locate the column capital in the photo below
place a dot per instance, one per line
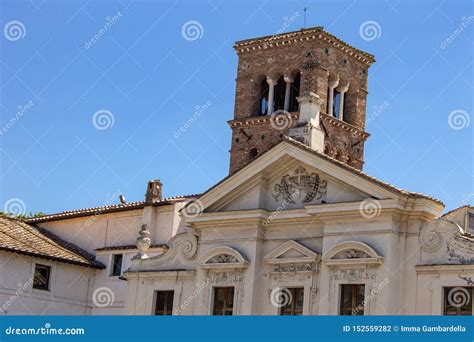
(271, 81)
(333, 82)
(342, 88)
(288, 79)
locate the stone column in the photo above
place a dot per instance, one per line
(289, 81)
(271, 94)
(308, 130)
(342, 90)
(332, 84)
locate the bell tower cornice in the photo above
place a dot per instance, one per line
(307, 34)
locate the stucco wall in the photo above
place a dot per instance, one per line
(69, 287)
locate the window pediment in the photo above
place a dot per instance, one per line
(291, 252)
(352, 252)
(223, 257)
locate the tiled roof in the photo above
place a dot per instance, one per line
(385, 185)
(106, 209)
(400, 192)
(456, 209)
(303, 34)
(19, 237)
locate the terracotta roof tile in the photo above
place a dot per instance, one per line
(358, 172)
(106, 209)
(19, 237)
(386, 185)
(307, 33)
(458, 208)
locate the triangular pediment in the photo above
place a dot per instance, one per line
(290, 176)
(291, 252)
(291, 186)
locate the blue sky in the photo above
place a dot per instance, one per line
(144, 74)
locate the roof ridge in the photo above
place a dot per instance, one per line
(360, 172)
(330, 159)
(66, 245)
(456, 209)
(113, 207)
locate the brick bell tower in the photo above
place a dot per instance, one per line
(306, 84)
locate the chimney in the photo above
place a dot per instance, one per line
(154, 191)
(308, 130)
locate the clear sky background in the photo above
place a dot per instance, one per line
(151, 78)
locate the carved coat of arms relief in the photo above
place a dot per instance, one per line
(300, 186)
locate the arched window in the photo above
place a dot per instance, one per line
(337, 98)
(253, 153)
(336, 103)
(263, 98)
(280, 89)
(295, 92)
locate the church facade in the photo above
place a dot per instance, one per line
(297, 228)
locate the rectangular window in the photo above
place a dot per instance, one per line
(293, 299)
(116, 265)
(352, 300)
(458, 301)
(223, 301)
(41, 277)
(164, 303)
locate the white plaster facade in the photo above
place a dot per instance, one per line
(291, 218)
(245, 234)
(69, 290)
(73, 288)
(355, 231)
